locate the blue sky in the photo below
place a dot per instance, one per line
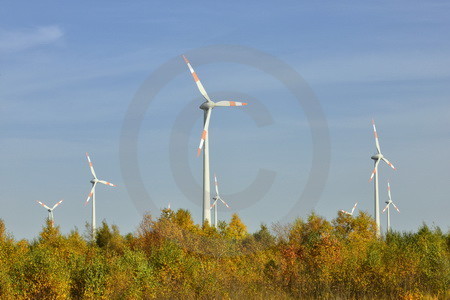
(69, 71)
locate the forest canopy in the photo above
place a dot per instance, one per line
(172, 257)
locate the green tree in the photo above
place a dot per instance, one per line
(264, 236)
(110, 239)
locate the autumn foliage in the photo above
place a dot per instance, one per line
(172, 257)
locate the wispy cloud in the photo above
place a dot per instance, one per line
(374, 67)
(19, 40)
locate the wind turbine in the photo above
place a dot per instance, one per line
(50, 211)
(207, 107)
(377, 158)
(350, 213)
(94, 182)
(217, 198)
(389, 202)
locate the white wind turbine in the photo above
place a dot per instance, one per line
(94, 182)
(389, 202)
(207, 107)
(377, 158)
(50, 211)
(217, 198)
(350, 213)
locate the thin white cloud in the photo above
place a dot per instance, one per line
(19, 40)
(374, 67)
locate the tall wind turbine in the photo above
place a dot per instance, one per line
(389, 202)
(350, 213)
(377, 158)
(217, 198)
(207, 107)
(50, 211)
(94, 182)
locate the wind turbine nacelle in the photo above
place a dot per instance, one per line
(377, 156)
(207, 105)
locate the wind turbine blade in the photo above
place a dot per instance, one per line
(204, 133)
(43, 204)
(395, 207)
(217, 185)
(215, 202)
(354, 206)
(386, 161)
(377, 143)
(90, 165)
(229, 103)
(386, 206)
(90, 194)
(224, 203)
(197, 80)
(346, 212)
(106, 183)
(374, 170)
(54, 206)
(389, 192)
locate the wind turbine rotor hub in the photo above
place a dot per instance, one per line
(94, 180)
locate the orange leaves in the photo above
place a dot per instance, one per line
(172, 257)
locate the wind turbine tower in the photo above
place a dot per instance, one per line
(94, 182)
(377, 158)
(217, 198)
(50, 211)
(389, 202)
(207, 107)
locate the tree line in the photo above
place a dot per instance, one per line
(169, 256)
